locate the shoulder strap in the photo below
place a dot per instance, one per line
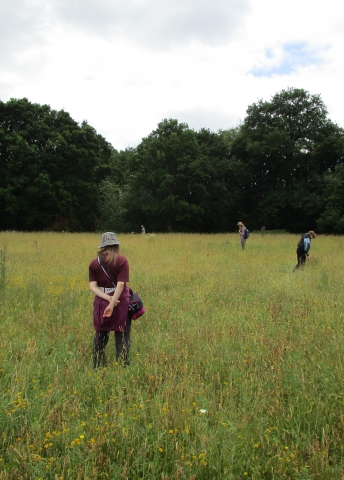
(105, 271)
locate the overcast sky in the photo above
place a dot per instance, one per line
(124, 65)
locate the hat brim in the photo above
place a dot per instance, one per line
(108, 244)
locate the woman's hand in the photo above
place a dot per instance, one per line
(109, 309)
(114, 300)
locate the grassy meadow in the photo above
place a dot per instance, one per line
(236, 367)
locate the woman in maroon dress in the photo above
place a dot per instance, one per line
(108, 274)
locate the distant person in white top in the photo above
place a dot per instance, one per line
(143, 230)
(242, 233)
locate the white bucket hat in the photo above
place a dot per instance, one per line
(107, 239)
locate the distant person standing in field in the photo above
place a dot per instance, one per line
(243, 233)
(143, 230)
(303, 248)
(108, 275)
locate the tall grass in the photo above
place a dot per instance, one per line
(236, 368)
(2, 267)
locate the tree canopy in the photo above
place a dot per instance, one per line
(287, 146)
(281, 168)
(50, 168)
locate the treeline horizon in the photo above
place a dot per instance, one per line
(282, 168)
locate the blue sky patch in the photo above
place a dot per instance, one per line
(294, 56)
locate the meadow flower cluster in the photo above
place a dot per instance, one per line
(236, 367)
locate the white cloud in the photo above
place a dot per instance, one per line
(124, 66)
(198, 118)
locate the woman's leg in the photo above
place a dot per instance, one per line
(301, 258)
(243, 242)
(99, 343)
(298, 261)
(123, 343)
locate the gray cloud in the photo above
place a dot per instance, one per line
(158, 24)
(21, 27)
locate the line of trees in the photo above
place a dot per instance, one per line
(282, 168)
(50, 168)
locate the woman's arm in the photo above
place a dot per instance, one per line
(114, 299)
(96, 290)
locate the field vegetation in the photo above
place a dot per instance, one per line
(236, 367)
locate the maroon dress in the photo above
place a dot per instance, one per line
(119, 273)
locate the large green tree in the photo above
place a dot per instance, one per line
(176, 179)
(165, 179)
(221, 194)
(332, 218)
(50, 167)
(286, 146)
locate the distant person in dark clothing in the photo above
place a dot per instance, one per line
(303, 248)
